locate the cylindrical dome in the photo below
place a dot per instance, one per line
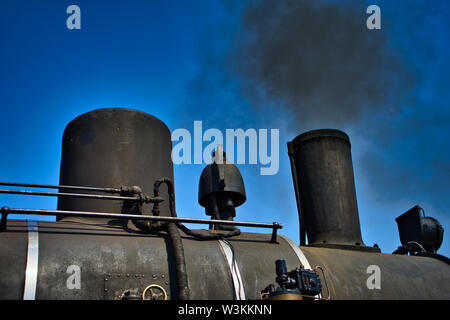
(114, 147)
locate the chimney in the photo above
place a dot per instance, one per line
(324, 184)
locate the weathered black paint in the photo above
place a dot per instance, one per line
(112, 147)
(327, 188)
(402, 277)
(104, 252)
(117, 260)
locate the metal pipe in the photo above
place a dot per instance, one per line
(186, 230)
(141, 217)
(180, 261)
(77, 195)
(49, 186)
(145, 199)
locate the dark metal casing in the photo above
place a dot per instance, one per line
(221, 190)
(114, 147)
(426, 231)
(323, 165)
(114, 260)
(233, 183)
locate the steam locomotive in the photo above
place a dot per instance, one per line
(118, 236)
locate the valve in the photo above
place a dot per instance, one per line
(294, 285)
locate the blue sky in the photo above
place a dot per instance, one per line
(174, 59)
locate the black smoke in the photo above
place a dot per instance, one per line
(318, 61)
(314, 64)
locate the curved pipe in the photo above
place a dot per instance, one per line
(186, 230)
(175, 238)
(174, 234)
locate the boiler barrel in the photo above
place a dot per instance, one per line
(76, 261)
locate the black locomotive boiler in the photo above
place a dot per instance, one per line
(118, 235)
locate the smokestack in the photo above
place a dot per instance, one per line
(114, 147)
(325, 188)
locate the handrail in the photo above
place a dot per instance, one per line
(6, 210)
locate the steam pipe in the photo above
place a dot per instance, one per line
(180, 261)
(49, 186)
(81, 195)
(175, 238)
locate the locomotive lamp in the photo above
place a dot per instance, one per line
(221, 188)
(419, 233)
